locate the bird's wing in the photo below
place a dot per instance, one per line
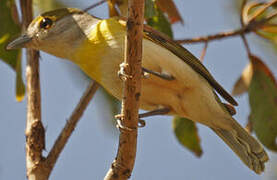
(163, 40)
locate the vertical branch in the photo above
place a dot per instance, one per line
(124, 162)
(35, 134)
(243, 25)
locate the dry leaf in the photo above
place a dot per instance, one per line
(243, 82)
(169, 7)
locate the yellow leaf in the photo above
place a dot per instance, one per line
(9, 27)
(243, 82)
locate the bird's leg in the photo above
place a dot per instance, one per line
(155, 112)
(145, 72)
(160, 75)
(121, 73)
(141, 122)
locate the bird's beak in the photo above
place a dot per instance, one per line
(19, 42)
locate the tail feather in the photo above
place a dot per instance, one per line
(249, 150)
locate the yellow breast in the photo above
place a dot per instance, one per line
(100, 50)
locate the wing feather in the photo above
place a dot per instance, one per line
(163, 40)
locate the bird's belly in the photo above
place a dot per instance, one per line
(188, 95)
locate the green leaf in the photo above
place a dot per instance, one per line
(8, 29)
(263, 103)
(160, 23)
(149, 9)
(186, 133)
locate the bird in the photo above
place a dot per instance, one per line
(178, 82)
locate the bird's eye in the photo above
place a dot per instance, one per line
(46, 23)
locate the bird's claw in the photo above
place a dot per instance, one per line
(120, 126)
(122, 71)
(145, 75)
(141, 123)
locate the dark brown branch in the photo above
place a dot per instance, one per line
(123, 164)
(69, 127)
(246, 44)
(35, 134)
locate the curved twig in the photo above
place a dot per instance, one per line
(69, 127)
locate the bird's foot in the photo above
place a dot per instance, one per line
(122, 71)
(161, 111)
(119, 125)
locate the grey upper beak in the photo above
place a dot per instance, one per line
(19, 42)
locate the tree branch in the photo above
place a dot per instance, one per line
(252, 26)
(124, 162)
(213, 37)
(39, 168)
(69, 127)
(35, 134)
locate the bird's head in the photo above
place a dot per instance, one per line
(56, 32)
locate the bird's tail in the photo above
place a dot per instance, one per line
(249, 150)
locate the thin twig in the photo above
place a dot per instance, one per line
(250, 27)
(243, 26)
(204, 51)
(246, 44)
(214, 36)
(35, 134)
(70, 126)
(94, 5)
(123, 164)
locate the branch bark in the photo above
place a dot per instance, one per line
(35, 134)
(214, 36)
(38, 167)
(69, 127)
(124, 162)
